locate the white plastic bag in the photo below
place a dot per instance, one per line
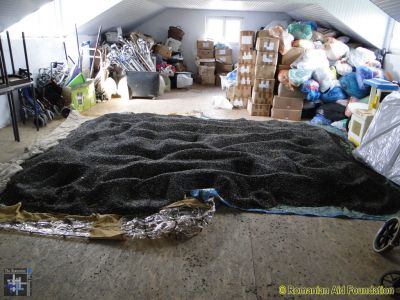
(360, 57)
(380, 147)
(184, 81)
(312, 59)
(175, 45)
(324, 77)
(222, 102)
(335, 49)
(343, 68)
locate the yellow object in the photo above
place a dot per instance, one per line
(359, 123)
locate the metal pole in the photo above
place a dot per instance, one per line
(79, 49)
(65, 52)
(5, 75)
(95, 51)
(13, 115)
(29, 77)
(10, 50)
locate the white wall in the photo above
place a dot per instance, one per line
(41, 51)
(193, 23)
(392, 64)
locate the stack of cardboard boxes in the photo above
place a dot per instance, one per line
(288, 104)
(264, 83)
(223, 57)
(245, 73)
(205, 62)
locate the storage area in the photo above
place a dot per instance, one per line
(218, 149)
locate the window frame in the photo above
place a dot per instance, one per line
(224, 18)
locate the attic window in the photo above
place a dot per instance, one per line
(395, 42)
(223, 29)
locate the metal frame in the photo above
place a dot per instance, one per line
(7, 87)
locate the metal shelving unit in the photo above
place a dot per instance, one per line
(11, 82)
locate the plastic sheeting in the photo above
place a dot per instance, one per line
(380, 147)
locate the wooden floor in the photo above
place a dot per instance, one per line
(238, 256)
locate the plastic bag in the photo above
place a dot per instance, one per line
(332, 111)
(335, 49)
(312, 59)
(311, 89)
(300, 30)
(320, 120)
(283, 78)
(365, 72)
(324, 77)
(319, 45)
(343, 39)
(360, 57)
(341, 125)
(333, 94)
(222, 102)
(350, 86)
(380, 147)
(299, 76)
(231, 76)
(305, 44)
(317, 36)
(343, 68)
(285, 38)
(327, 32)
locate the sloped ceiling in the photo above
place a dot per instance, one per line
(11, 11)
(359, 19)
(126, 13)
(391, 7)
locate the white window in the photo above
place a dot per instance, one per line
(395, 42)
(223, 29)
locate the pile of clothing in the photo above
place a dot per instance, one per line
(328, 69)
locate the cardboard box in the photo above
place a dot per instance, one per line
(163, 50)
(283, 67)
(263, 91)
(283, 91)
(205, 45)
(262, 110)
(242, 91)
(224, 59)
(246, 40)
(245, 71)
(208, 79)
(267, 58)
(201, 53)
(240, 102)
(247, 57)
(286, 114)
(223, 52)
(266, 44)
(205, 70)
(292, 55)
(223, 68)
(263, 33)
(209, 62)
(288, 103)
(265, 72)
(245, 80)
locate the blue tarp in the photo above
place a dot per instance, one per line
(323, 211)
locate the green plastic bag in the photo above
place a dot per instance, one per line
(300, 31)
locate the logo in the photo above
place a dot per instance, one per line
(17, 282)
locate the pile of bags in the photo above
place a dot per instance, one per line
(328, 71)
